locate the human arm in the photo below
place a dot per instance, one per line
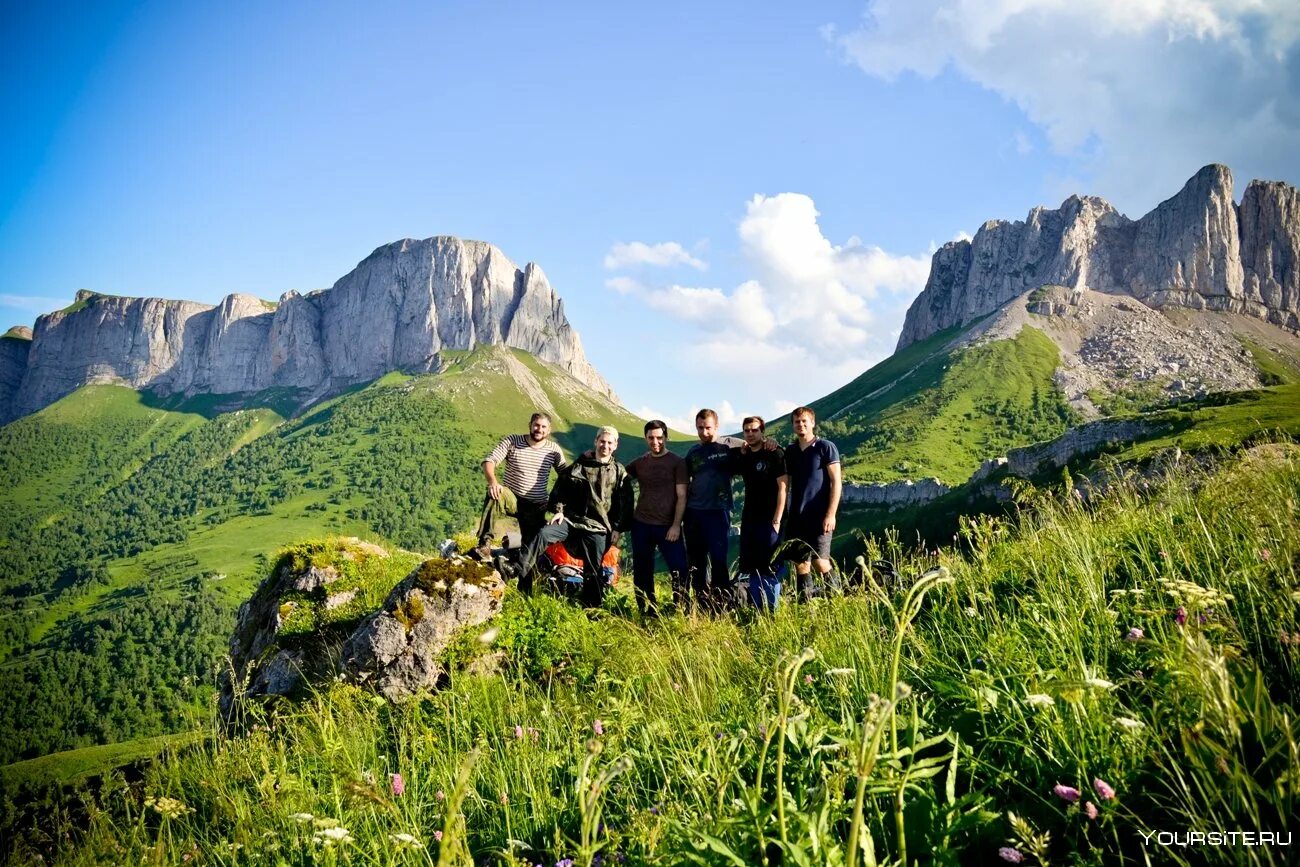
(679, 508)
(782, 486)
(496, 456)
(837, 487)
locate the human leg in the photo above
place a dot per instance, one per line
(697, 557)
(643, 564)
(719, 532)
(674, 554)
(533, 550)
(531, 517)
(493, 510)
(591, 548)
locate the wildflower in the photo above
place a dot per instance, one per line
(842, 672)
(1069, 794)
(1180, 616)
(169, 807)
(301, 818)
(1104, 789)
(489, 636)
(368, 777)
(808, 679)
(505, 799)
(1099, 683)
(677, 687)
(519, 733)
(437, 835)
(406, 841)
(440, 795)
(654, 811)
(902, 690)
(330, 836)
(1010, 855)
(564, 862)
(1265, 554)
(1164, 555)
(1039, 699)
(1134, 634)
(1090, 809)
(971, 612)
(396, 783)
(597, 727)
(1129, 724)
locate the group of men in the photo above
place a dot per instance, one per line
(681, 507)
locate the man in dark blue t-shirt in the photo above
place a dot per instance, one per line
(815, 487)
(707, 523)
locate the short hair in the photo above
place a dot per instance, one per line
(750, 419)
(803, 410)
(540, 415)
(706, 413)
(656, 423)
(607, 429)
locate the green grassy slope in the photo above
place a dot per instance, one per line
(119, 503)
(928, 411)
(1139, 649)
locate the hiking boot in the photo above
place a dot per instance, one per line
(482, 553)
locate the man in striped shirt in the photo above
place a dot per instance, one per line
(529, 460)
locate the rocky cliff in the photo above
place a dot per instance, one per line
(397, 310)
(1198, 249)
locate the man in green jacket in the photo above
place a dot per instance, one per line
(592, 501)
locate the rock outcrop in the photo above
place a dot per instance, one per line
(396, 650)
(15, 344)
(323, 596)
(894, 495)
(399, 309)
(1197, 250)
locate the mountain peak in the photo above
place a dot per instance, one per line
(399, 309)
(1195, 249)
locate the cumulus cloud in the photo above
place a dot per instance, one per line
(1142, 94)
(665, 255)
(728, 417)
(811, 316)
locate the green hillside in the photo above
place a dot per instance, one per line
(1068, 681)
(934, 411)
(124, 506)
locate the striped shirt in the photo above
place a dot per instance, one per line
(529, 467)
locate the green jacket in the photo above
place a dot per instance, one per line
(596, 497)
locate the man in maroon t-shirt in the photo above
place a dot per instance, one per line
(657, 521)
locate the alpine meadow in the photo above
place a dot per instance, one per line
(1006, 493)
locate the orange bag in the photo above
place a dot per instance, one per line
(560, 556)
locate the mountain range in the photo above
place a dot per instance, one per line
(162, 451)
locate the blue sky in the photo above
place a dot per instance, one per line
(737, 201)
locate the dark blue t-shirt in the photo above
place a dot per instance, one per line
(709, 466)
(810, 488)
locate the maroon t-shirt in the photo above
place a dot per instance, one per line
(657, 478)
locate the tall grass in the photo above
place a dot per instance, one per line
(1143, 644)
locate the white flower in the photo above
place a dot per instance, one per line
(1039, 699)
(406, 840)
(489, 636)
(842, 672)
(1099, 683)
(302, 817)
(1129, 724)
(334, 835)
(971, 612)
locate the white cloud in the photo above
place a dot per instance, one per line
(665, 255)
(1143, 94)
(728, 418)
(812, 316)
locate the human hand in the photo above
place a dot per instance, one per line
(828, 526)
(674, 533)
(494, 490)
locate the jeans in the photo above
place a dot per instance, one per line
(646, 538)
(757, 543)
(706, 552)
(587, 546)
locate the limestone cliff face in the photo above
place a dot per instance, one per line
(397, 310)
(1197, 249)
(15, 344)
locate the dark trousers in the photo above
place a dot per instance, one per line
(706, 551)
(531, 516)
(587, 546)
(646, 538)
